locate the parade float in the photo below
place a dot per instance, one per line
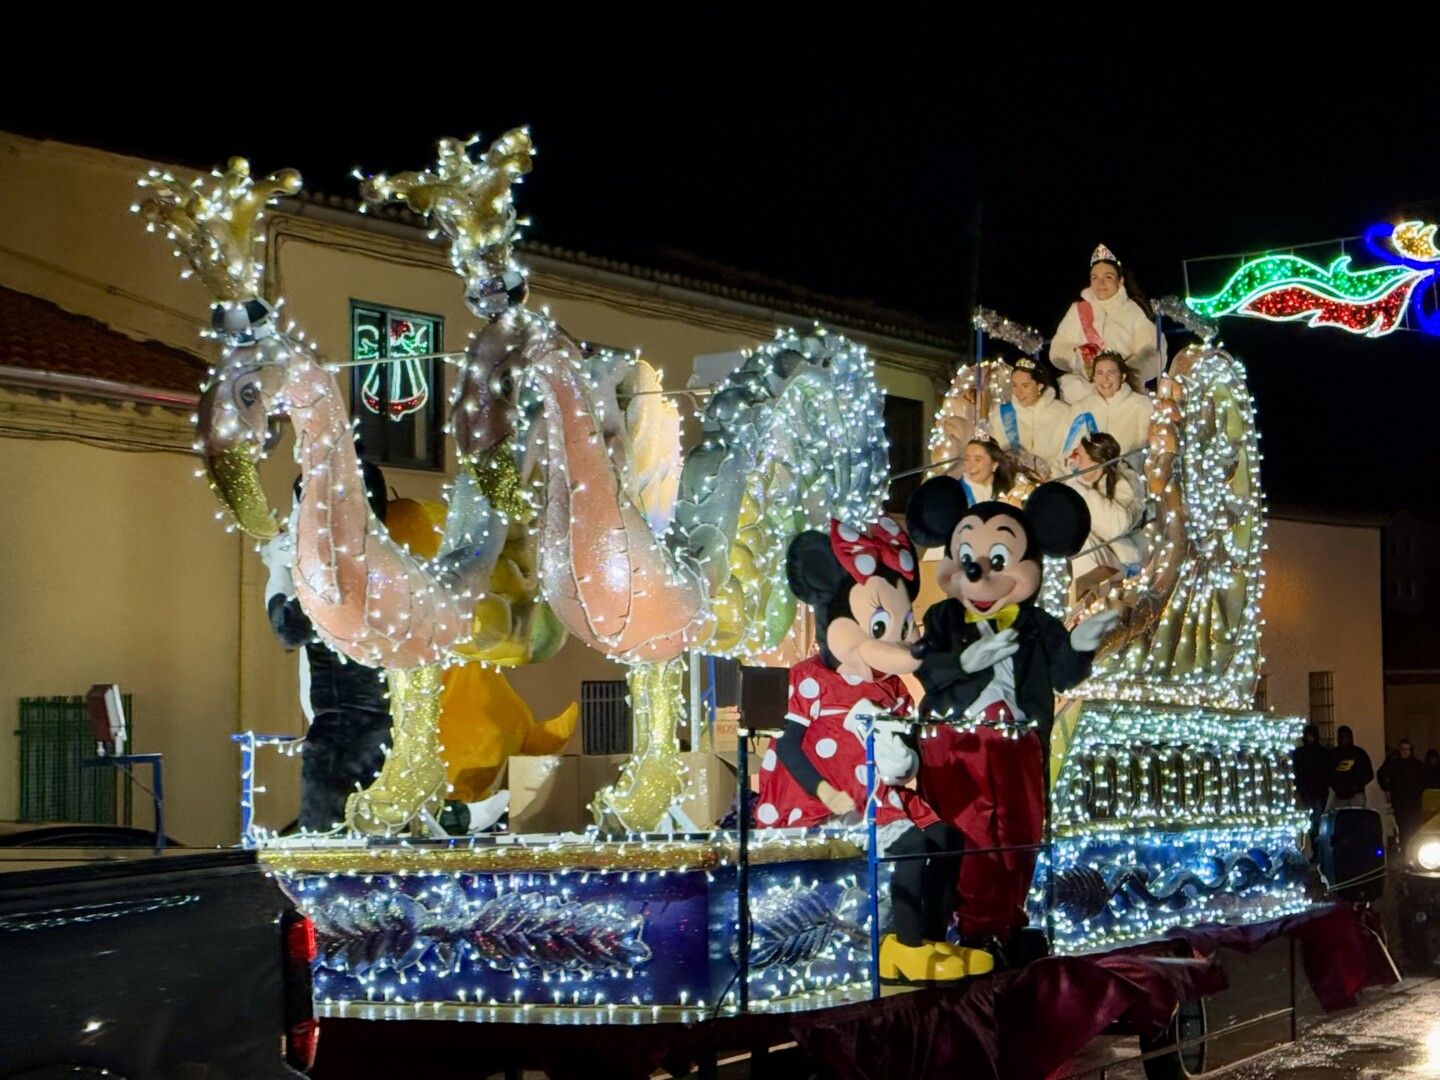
(1171, 799)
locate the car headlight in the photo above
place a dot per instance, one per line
(1428, 855)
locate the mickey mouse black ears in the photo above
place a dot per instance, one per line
(935, 509)
(1057, 518)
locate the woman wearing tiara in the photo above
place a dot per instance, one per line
(1034, 421)
(1114, 402)
(1111, 315)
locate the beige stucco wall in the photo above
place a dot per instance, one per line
(109, 580)
(1322, 613)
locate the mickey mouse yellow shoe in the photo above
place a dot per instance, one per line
(930, 963)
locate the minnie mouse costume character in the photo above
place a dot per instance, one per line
(992, 661)
(861, 587)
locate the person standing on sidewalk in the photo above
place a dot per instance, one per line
(1404, 779)
(1350, 770)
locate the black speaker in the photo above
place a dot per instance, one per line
(764, 694)
(1351, 846)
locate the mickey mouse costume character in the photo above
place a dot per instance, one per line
(861, 587)
(993, 661)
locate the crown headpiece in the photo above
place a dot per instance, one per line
(1103, 254)
(1024, 363)
(470, 201)
(214, 223)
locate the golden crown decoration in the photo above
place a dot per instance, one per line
(214, 222)
(469, 200)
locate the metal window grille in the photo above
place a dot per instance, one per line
(55, 783)
(604, 717)
(1322, 705)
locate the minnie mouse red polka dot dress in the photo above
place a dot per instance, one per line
(820, 700)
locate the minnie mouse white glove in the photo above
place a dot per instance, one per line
(896, 761)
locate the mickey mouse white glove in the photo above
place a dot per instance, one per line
(1086, 637)
(989, 651)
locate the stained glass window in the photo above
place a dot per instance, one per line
(396, 397)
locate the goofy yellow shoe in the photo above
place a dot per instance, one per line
(930, 963)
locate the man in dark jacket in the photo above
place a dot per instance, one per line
(1312, 777)
(1350, 770)
(1404, 779)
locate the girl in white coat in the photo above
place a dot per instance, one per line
(1112, 314)
(1115, 509)
(1034, 421)
(984, 472)
(1113, 402)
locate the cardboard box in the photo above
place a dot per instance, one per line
(544, 794)
(712, 789)
(712, 784)
(725, 734)
(597, 771)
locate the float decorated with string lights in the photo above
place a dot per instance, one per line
(1171, 802)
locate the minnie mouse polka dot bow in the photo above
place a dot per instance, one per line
(861, 554)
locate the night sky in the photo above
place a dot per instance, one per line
(888, 166)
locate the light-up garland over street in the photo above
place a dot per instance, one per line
(1287, 288)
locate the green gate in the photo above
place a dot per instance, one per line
(56, 784)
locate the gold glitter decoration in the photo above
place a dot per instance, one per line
(235, 481)
(498, 478)
(653, 780)
(1416, 240)
(579, 855)
(413, 775)
(215, 223)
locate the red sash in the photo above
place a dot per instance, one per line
(1092, 336)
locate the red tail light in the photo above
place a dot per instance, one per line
(300, 941)
(302, 1030)
(300, 1043)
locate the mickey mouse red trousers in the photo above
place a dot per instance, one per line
(990, 787)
